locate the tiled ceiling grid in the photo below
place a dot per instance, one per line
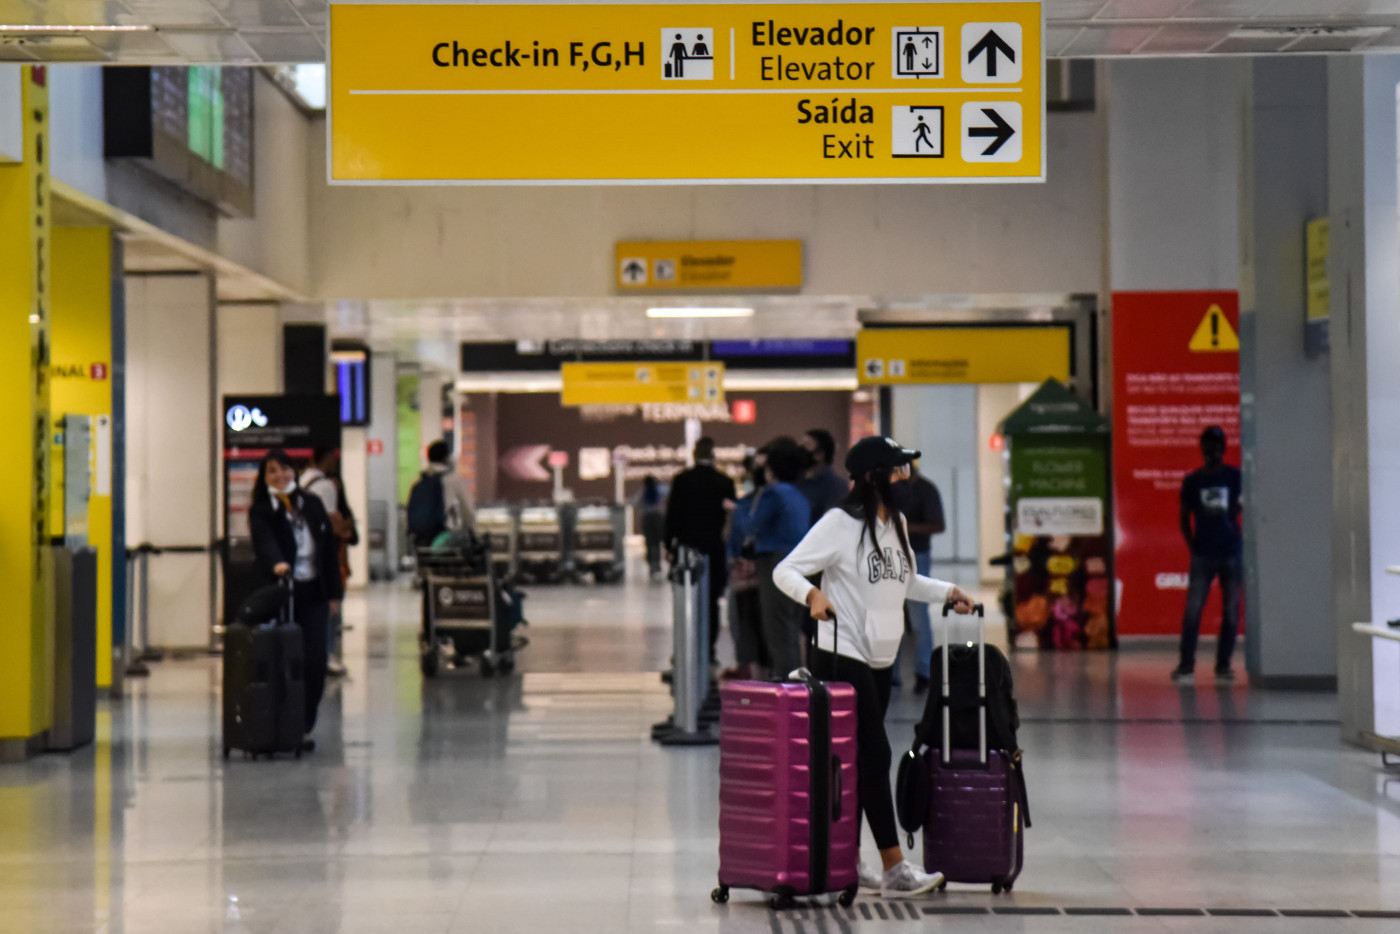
(294, 31)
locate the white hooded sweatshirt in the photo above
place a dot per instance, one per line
(867, 587)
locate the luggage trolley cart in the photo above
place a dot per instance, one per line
(598, 543)
(540, 548)
(462, 615)
(497, 525)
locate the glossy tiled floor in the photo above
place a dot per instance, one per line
(537, 803)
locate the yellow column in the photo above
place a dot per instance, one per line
(81, 381)
(25, 649)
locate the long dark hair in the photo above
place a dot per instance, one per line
(869, 492)
(260, 485)
(651, 490)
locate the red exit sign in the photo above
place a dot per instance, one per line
(374, 446)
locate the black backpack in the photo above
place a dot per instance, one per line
(1003, 718)
(1003, 722)
(427, 508)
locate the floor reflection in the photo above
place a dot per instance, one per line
(537, 803)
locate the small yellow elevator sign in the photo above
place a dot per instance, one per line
(690, 93)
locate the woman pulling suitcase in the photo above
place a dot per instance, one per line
(862, 552)
(292, 535)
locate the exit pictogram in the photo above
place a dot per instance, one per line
(1215, 334)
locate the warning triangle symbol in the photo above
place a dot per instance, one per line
(1214, 334)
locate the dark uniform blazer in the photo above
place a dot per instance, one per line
(274, 542)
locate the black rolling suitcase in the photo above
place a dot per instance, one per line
(264, 686)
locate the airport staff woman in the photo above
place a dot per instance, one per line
(862, 552)
(292, 535)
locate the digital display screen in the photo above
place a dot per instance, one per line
(192, 126)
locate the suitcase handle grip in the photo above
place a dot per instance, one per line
(837, 791)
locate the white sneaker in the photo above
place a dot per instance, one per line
(907, 879)
(870, 877)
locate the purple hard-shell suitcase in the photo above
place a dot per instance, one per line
(975, 822)
(788, 782)
(974, 831)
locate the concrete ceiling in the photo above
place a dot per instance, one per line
(295, 31)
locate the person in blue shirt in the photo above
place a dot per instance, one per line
(780, 519)
(745, 617)
(1210, 523)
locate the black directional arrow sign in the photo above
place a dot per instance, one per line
(634, 271)
(991, 44)
(1000, 131)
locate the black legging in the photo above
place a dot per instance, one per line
(873, 754)
(313, 613)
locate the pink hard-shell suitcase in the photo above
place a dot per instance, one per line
(975, 827)
(789, 816)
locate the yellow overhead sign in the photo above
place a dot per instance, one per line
(698, 265)
(771, 92)
(641, 383)
(899, 356)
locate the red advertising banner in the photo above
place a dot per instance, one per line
(1176, 370)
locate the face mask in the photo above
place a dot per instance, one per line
(286, 490)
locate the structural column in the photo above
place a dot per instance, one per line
(25, 622)
(1364, 271)
(1285, 412)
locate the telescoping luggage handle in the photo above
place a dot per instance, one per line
(947, 695)
(290, 584)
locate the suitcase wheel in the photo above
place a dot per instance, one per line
(227, 752)
(781, 902)
(720, 896)
(488, 667)
(848, 897)
(999, 887)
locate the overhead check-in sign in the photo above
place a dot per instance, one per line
(688, 93)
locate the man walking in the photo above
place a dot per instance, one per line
(1210, 523)
(696, 517)
(918, 499)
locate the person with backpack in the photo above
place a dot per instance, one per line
(863, 553)
(439, 501)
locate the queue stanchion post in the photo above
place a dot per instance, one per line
(137, 570)
(691, 665)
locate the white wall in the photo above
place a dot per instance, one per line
(170, 462)
(75, 121)
(438, 242)
(941, 421)
(994, 402)
(274, 241)
(1174, 137)
(11, 123)
(250, 350)
(354, 477)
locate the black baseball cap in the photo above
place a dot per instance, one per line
(875, 453)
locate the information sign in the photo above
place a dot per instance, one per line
(642, 383)
(911, 356)
(702, 265)
(633, 93)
